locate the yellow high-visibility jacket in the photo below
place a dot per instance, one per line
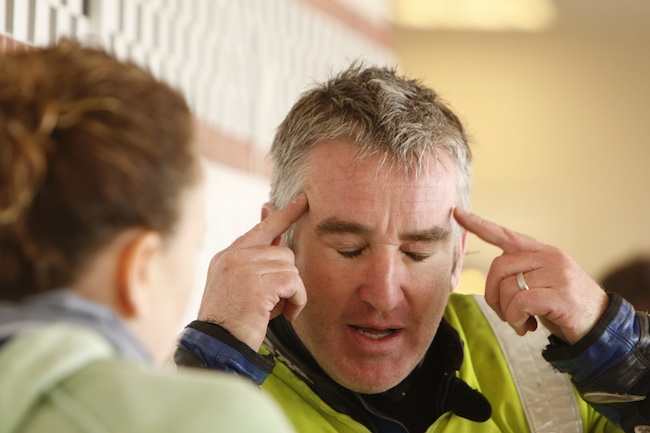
(485, 367)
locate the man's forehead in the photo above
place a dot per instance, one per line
(404, 198)
(369, 194)
(336, 162)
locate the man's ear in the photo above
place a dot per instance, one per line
(135, 273)
(267, 211)
(460, 258)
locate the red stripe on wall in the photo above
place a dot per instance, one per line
(223, 148)
(10, 45)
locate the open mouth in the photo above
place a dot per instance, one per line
(375, 334)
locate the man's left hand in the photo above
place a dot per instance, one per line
(560, 293)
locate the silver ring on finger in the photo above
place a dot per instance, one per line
(521, 282)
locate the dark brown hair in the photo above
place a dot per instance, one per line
(89, 146)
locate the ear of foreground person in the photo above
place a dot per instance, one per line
(101, 208)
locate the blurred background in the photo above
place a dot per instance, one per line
(555, 95)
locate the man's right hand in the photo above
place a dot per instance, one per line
(254, 279)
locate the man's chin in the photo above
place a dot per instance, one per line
(365, 384)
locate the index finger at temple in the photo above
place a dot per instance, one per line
(509, 241)
(275, 224)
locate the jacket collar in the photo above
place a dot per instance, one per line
(65, 306)
(446, 391)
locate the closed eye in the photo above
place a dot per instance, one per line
(416, 257)
(350, 254)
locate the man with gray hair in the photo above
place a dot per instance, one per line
(340, 301)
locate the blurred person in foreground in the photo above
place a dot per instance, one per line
(101, 215)
(371, 338)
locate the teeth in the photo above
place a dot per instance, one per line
(374, 336)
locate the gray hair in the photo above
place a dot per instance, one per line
(381, 113)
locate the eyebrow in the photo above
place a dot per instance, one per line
(335, 226)
(436, 234)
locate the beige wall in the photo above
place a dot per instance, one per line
(561, 126)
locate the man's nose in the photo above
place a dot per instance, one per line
(382, 285)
